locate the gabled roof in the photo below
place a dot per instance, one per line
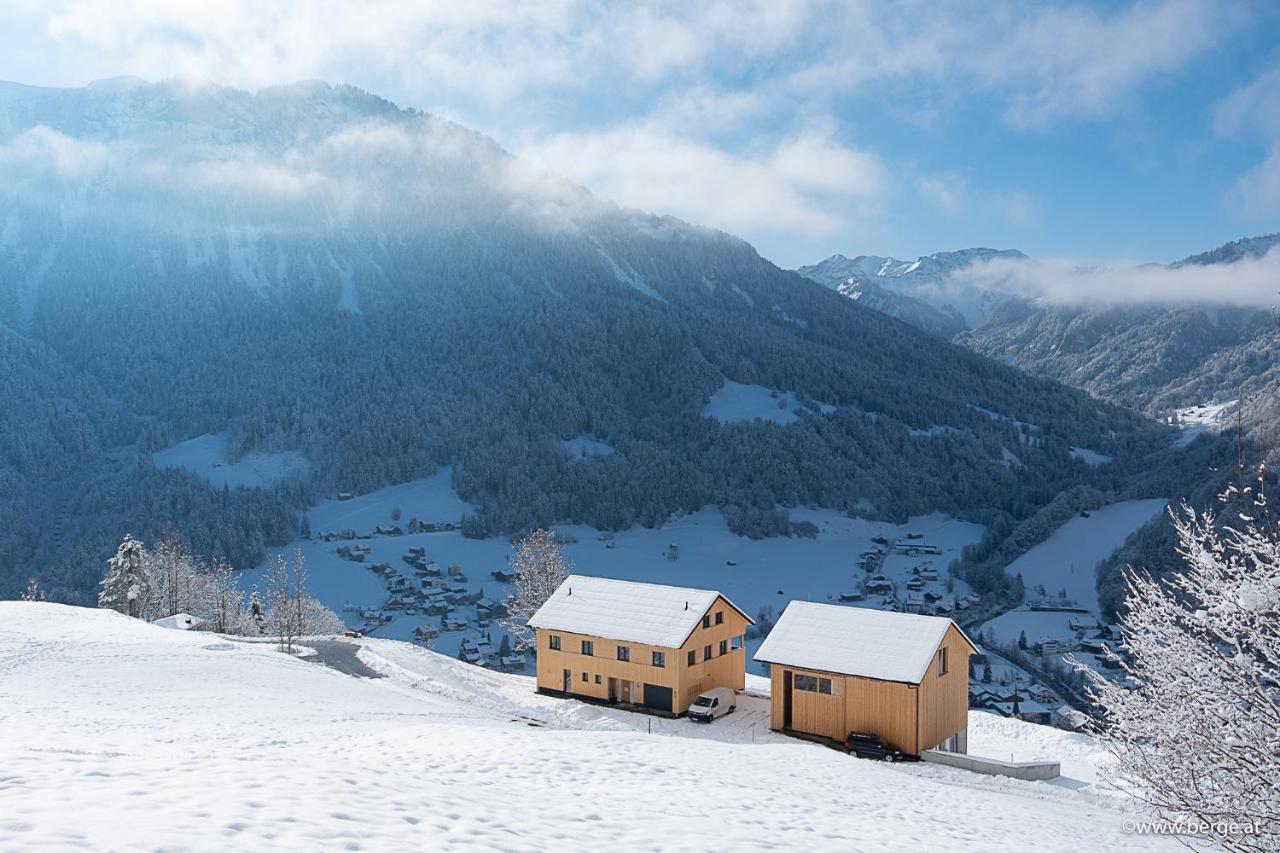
(856, 641)
(645, 613)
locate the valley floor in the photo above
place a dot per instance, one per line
(121, 735)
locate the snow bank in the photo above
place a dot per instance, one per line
(167, 739)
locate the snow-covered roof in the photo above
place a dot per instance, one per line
(179, 622)
(855, 641)
(647, 613)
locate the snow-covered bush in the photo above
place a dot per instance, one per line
(1197, 734)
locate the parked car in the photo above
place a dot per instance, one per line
(716, 702)
(870, 746)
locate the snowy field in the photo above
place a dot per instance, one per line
(585, 445)
(1197, 420)
(430, 499)
(124, 736)
(1066, 561)
(738, 402)
(753, 573)
(1091, 458)
(206, 456)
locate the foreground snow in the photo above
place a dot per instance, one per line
(176, 740)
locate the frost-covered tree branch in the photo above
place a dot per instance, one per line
(1198, 736)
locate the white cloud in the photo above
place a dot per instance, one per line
(945, 192)
(1258, 190)
(43, 151)
(786, 188)
(1247, 283)
(669, 101)
(1253, 112)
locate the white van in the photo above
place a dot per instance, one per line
(716, 702)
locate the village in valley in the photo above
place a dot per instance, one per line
(394, 564)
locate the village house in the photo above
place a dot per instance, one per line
(652, 646)
(901, 677)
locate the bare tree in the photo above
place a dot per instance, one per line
(1197, 738)
(220, 600)
(293, 613)
(539, 566)
(282, 615)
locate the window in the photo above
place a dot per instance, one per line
(706, 653)
(942, 661)
(693, 657)
(660, 659)
(553, 642)
(584, 677)
(724, 647)
(624, 653)
(588, 647)
(736, 641)
(706, 621)
(812, 684)
(719, 617)
(597, 679)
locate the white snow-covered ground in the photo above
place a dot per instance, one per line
(206, 456)
(1197, 420)
(1066, 562)
(1090, 457)
(430, 499)
(585, 445)
(123, 736)
(738, 402)
(753, 573)
(1067, 559)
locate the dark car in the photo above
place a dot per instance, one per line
(870, 746)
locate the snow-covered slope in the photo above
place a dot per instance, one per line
(175, 740)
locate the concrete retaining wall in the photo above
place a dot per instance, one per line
(1029, 770)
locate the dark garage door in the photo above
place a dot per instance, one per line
(658, 698)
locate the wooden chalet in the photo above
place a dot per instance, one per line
(902, 677)
(647, 645)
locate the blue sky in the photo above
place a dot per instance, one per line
(1138, 131)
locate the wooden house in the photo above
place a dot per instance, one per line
(640, 644)
(902, 677)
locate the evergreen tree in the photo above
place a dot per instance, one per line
(1022, 640)
(257, 618)
(986, 673)
(33, 592)
(124, 588)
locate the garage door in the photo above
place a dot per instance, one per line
(656, 697)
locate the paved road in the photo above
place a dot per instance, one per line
(341, 656)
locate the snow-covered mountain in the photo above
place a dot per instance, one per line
(163, 739)
(919, 292)
(1151, 357)
(310, 272)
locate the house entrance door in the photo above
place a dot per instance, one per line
(786, 699)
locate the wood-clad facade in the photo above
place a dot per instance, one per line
(591, 666)
(910, 716)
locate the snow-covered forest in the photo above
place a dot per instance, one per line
(451, 309)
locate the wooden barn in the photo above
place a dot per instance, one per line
(650, 646)
(900, 676)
